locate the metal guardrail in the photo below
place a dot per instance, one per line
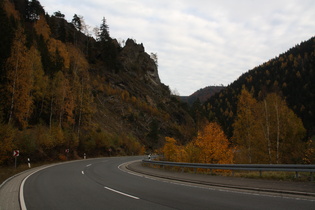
(245, 167)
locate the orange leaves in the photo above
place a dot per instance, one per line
(42, 28)
(170, 149)
(10, 10)
(54, 45)
(210, 146)
(244, 126)
(213, 145)
(19, 81)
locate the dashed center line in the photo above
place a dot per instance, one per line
(116, 191)
(82, 172)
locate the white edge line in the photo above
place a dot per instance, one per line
(134, 197)
(22, 201)
(82, 172)
(21, 196)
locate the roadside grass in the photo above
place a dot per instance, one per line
(267, 175)
(273, 175)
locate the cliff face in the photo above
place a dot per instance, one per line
(144, 106)
(136, 61)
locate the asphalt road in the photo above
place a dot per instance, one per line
(100, 184)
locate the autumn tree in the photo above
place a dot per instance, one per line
(61, 101)
(210, 146)
(245, 127)
(267, 131)
(19, 81)
(81, 88)
(40, 83)
(214, 146)
(282, 130)
(170, 149)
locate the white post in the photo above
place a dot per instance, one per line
(29, 162)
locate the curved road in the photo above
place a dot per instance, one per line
(101, 184)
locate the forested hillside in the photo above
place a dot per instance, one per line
(64, 90)
(291, 74)
(271, 99)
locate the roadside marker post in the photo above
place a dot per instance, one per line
(29, 162)
(16, 153)
(67, 153)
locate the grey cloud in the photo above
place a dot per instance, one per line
(201, 42)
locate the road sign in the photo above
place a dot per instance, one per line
(16, 153)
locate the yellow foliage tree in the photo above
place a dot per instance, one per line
(281, 129)
(267, 131)
(245, 128)
(214, 146)
(211, 146)
(170, 149)
(20, 81)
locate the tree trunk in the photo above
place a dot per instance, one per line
(278, 130)
(15, 78)
(51, 112)
(267, 132)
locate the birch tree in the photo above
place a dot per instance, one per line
(19, 81)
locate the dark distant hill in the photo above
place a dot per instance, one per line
(292, 74)
(203, 94)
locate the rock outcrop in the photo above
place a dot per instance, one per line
(137, 62)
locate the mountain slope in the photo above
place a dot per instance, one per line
(291, 74)
(62, 89)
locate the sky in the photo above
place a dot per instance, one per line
(200, 43)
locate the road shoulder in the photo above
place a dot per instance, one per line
(284, 188)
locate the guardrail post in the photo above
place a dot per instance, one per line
(296, 174)
(260, 173)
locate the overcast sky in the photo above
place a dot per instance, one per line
(200, 42)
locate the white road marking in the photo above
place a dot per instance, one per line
(82, 172)
(130, 196)
(88, 165)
